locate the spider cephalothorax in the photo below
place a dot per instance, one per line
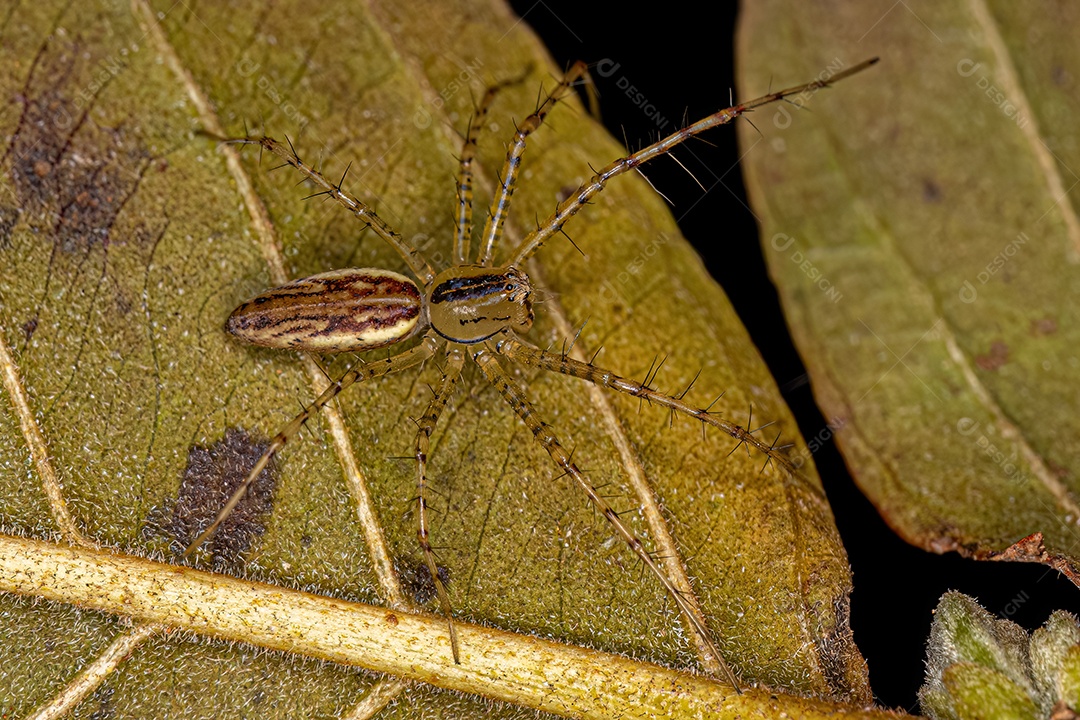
(471, 303)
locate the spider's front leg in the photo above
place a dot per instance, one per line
(500, 204)
(425, 427)
(465, 171)
(573, 204)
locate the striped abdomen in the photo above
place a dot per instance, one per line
(347, 310)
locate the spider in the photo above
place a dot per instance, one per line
(474, 309)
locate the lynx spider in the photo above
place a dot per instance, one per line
(468, 309)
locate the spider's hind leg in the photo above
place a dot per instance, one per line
(497, 376)
(528, 354)
(425, 427)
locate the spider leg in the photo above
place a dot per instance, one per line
(465, 171)
(500, 204)
(497, 376)
(413, 257)
(528, 354)
(357, 373)
(426, 426)
(573, 204)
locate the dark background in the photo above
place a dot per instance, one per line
(682, 63)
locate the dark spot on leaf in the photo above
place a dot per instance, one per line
(998, 356)
(1062, 711)
(122, 304)
(211, 476)
(29, 327)
(1044, 326)
(417, 582)
(71, 175)
(104, 698)
(931, 191)
(9, 216)
(1060, 76)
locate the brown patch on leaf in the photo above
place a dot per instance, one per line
(1062, 711)
(931, 191)
(998, 356)
(29, 327)
(1060, 76)
(941, 544)
(1044, 326)
(1032, 549)
(71, 175)
(417, 582)
(211, 476)
(1029, 549)
(9, 217)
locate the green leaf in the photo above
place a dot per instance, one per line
(1055, 648)
(979, 693)
(979, 666)
(926, 246)
(964, 633)
(127, 238)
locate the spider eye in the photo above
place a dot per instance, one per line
(509, 287)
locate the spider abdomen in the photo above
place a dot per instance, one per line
(348, 310)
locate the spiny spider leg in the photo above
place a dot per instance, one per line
(497, 376)
(526, 353)
(413, 257)
(426, 425)
(465, 172)
(500, 204)
(355, 374)
(573, 204)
